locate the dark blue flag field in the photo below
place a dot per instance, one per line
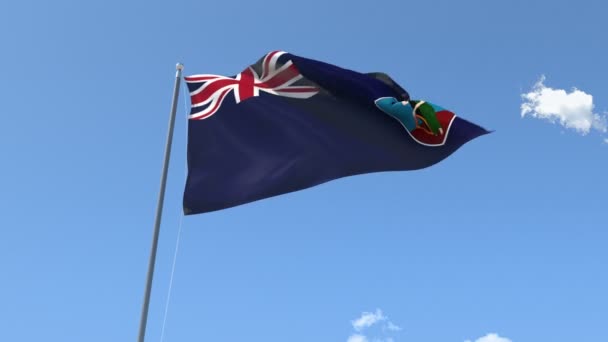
(287, 123)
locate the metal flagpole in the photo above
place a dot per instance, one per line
(159, 208)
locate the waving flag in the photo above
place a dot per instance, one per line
(287, 123)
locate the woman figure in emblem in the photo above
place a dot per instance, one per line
(412, 114)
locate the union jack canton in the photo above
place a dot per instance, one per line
(209, 91)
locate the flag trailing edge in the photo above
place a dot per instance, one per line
(287, 123)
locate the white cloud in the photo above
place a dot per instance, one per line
(392, 326)
(491, 338)
(606, 140)
(357, 338)
(572, 110)
(368, 319)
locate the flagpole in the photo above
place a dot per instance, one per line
(159, 208)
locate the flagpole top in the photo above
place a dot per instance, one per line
(179, 66)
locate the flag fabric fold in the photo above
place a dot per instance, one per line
(287, 123)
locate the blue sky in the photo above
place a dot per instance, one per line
(517, 249)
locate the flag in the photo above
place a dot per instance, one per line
(288, 123)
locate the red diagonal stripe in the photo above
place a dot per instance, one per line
(213, 87)
(280, 78)
(216, 106)
(266, 66)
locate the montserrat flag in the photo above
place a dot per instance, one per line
(288, 123)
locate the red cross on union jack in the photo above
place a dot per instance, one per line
(213, 89)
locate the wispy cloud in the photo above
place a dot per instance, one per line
(392, 326)
(357, 338)
(368, 319)
(573, 110)
(491, 338)
(388, 339)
